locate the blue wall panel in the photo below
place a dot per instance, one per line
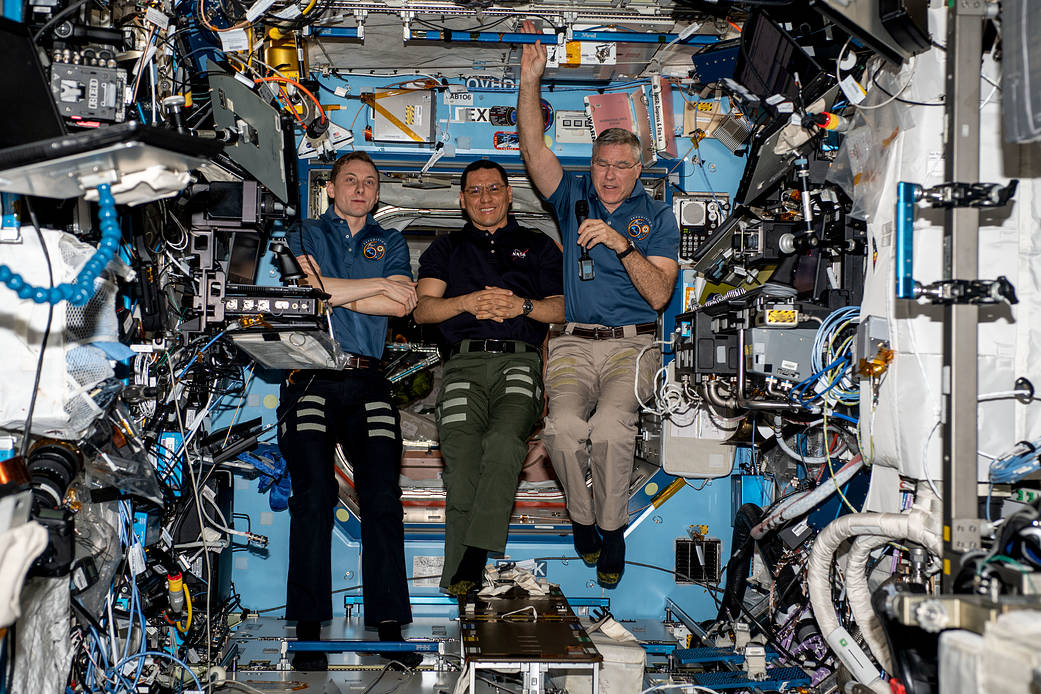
(260, 576)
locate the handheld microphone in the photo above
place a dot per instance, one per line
(585, 263)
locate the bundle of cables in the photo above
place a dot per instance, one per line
(1016, 464)
(833, 382)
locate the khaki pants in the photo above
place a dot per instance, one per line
(591, 424)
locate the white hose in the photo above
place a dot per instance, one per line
(919, 525)
(859, 595)
(801, 503)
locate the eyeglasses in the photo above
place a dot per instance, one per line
(492, 189)
(619, 165)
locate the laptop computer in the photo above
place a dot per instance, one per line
(773, 76)
(38, 156)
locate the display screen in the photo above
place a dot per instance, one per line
(770, 60)
(245, 254)
(29, 110)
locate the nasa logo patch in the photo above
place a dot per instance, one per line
(639, 228)
(374, 250)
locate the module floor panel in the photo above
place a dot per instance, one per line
(258, 644)
(535, 629)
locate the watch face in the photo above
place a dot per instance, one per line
(527, 307)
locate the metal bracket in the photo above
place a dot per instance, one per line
(1024, 390)
(935, 613)
(406, 25)
(359, 17)
(283, 656)
(948, 196)
(956, 194)
(993, 291)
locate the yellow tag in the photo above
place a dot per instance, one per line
(782, 317)
(573, 53)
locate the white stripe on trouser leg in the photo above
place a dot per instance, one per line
(454, 402)
(452, 418)
(311, 418)
(381, 432)
(316, 399)
(373, 406)
(461, 385)
(518, 390)
(523, 378)
(380, 420)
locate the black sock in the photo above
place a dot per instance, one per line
(390, 630)
(587, 541)
(308, 631)
(471, 567)
(309, 660)
(611, 564)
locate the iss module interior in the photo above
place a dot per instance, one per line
(520, 346)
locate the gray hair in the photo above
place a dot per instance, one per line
(618, 136)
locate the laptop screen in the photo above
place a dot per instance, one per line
(32, 115)
(770, 59)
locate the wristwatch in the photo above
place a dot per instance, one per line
(629, 249)
(527, 307)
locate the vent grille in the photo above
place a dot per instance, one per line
(697, 561)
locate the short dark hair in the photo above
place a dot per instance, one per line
(356, 155)
(478, 164)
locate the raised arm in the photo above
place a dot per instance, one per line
(543, 166)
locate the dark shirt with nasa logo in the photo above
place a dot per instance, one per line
(372, 252)
(525, 261)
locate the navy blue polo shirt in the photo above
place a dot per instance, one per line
(610, 297)
(372, 252)
(525, 261)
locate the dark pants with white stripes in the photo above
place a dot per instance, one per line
(487, 407)
(353, 408)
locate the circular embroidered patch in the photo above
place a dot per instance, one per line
(639, 228)
(374, 250)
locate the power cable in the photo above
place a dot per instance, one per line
(27, 427)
